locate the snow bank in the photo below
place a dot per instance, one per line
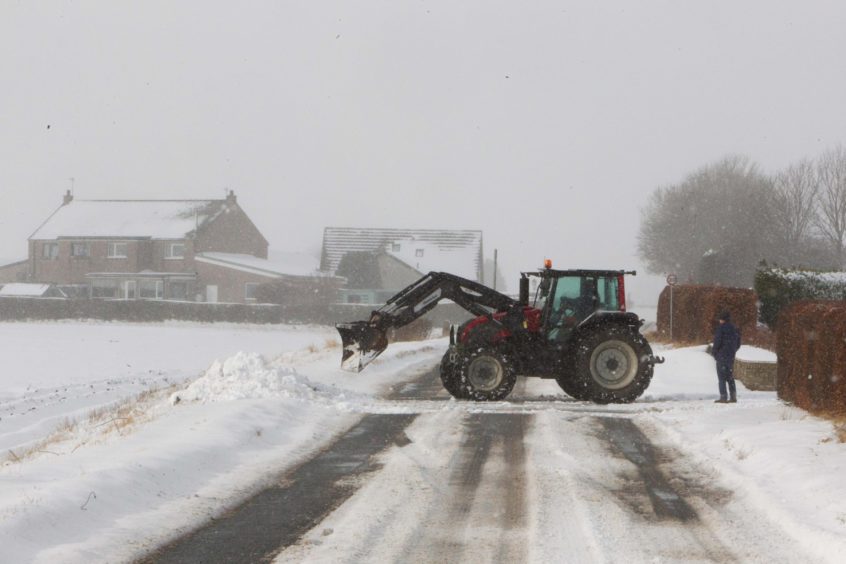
(246, 376)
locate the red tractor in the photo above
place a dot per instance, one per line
(576, 330)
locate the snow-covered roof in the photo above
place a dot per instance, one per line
(156, 219)
(22, 289)
(456, 251)
(278, 265)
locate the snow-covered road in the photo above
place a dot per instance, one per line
(672, 477)
(551, 481)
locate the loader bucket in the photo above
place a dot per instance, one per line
(362, 343)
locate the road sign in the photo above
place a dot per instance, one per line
(672, 279)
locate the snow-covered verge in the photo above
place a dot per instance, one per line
(775, 457)
(112, 486)
(109, 487)
(58, 371)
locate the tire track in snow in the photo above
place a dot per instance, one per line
(481, 515)
(627, 440)
(277, 516)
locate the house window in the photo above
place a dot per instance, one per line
(50, 251)
(395, 247)
(79, 250)
(117, 250)
(151, 289)
(418, 253)
(179, 290)
(104, 288)
(175, 251)
(250, 291)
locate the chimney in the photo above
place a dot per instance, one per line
(68, 198)
(231, 198)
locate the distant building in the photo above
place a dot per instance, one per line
(14, 272)
(195, 250)
(378, 262)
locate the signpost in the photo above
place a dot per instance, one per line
(672, 279)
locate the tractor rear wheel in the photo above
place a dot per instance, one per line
(451, 378)
(485, 374)
(611, 365)
(572, 386)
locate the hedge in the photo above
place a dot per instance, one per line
(812, 356)
(697, 307)
(778, 287)
(42, 309)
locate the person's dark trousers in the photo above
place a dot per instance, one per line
(726, 376)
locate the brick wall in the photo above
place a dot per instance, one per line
(231, 232)
(229, 281)
(15, 272)
(140, 255)
(759, 376)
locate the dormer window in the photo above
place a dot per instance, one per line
(175, 251)
(117, 250)
(418, 253)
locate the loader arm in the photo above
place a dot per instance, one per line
(363, 341)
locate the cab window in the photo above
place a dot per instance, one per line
(573, 300)
(606, 289)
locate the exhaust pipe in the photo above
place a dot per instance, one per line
(524, 290)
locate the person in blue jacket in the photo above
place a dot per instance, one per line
(726, 343)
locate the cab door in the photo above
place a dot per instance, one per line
(561, 314)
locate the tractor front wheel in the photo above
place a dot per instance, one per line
(485, 375)
(451, 377)
(611, 365)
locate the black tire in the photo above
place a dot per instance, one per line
(485, 374)
(451, 378)
(572, 386)
(611, 364)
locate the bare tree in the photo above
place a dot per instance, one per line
(831, 221)
(717, 215)
(794, 197)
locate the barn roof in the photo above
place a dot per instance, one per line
(456, 251)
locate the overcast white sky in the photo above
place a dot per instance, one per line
(545, 124)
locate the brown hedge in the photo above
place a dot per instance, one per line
(811, 350)
(697, 307)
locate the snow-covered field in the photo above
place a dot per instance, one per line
(247, 402)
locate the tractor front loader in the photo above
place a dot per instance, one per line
(577, 331)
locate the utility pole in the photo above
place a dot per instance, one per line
(494, 272)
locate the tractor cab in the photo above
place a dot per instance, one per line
(569, 298)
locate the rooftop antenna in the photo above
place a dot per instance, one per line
(72, 180)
